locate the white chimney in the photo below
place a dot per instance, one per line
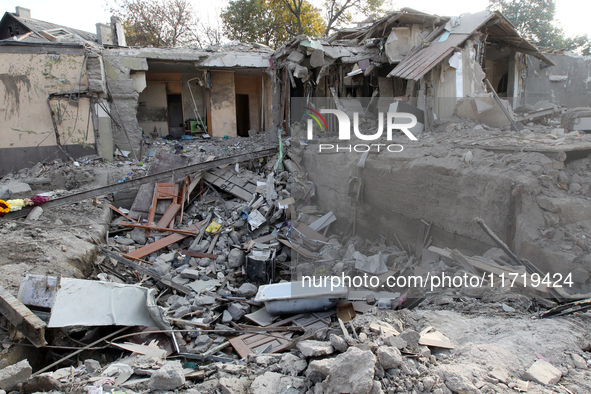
(23, 12)
(104, 34)
(118, 32)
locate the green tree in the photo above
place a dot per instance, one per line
(157, 23)
(270, 22)
(534, 20)
(340, 12)
(247, 21)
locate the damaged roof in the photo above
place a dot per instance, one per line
(354, 44)
(378, 29)
(14, 27)
(444, 40)
(439, 36)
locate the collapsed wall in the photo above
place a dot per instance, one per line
(518, 195)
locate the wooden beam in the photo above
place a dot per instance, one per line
(121, 213)
(199, 255)
(183, 198)
(186, 231)
(160, 244)
(22, 318)
(169, 215)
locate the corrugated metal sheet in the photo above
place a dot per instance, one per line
(421, 60)
(417, 64)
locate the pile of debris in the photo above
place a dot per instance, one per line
(204, 265)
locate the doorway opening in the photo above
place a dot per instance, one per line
(175, 115)
(242, 115)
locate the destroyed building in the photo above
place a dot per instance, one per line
(163, 208)
(433, 61)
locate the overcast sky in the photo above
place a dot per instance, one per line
(573, 15)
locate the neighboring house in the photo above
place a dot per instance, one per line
(21, 27)
(44, 87)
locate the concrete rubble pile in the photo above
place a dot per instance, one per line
(192, 266)
(292, 260)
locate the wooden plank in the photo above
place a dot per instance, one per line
(163, 191)
(176, 174)
(168, 216)
(155, 246)
(48, 36)
(264, 239)
(183, 196)
(299, 249)
(162, 161)
(161, 243)
(308, 238)
(463, 261)
(439, 251)
(322, 222)
(185, 231)
(22, 318)
(144, 270)
(420, 238)
(195, 182)
(509, 273)
(199, 255)
(121, 213)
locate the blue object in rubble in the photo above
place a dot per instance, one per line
(244, 214)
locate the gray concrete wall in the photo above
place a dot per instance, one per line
(435, 184)
(401, 189)
(566, 84)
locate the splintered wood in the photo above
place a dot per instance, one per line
(229, 181)
(515, 277)
(22, 318)
(277, 341)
